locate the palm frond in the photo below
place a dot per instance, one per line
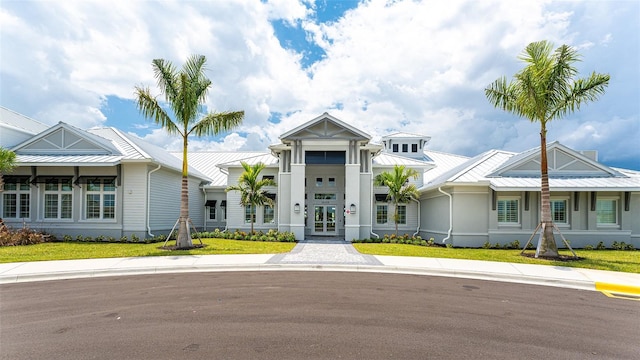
(215, 123)
(150, 108)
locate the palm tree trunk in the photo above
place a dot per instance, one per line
(184, 235)
(253, 217)
(395, 218)
(547, 244)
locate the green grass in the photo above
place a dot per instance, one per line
(613, 260)
(72, 250)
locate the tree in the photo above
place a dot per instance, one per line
(546, 89)
(185, 91)
(251, 188)
(7, 163)
(400, 191)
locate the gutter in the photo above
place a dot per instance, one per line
(149, 198)
(450, 214)
(204, 215)
(373, 213)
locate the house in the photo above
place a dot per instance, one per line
(105, 182)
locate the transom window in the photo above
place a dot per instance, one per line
(508, 211)
(607, 211)
(322, 196)
(559, 211)
(58, 199)
(16, 198)
(100, 199)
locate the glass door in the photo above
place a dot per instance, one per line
(324, 219)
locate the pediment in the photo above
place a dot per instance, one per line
(561, 161)
(63, 139)
(325, 127)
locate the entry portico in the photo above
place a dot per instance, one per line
(333, 161)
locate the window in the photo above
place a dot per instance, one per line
(606, 211)
(269, 214)
(101, 199)
(58, 199)
(508, 211)
(249, 215)
(414, 148)
(559, 211)
(331, 182)
(324, 196)
(319, 182)
(223, 207)
(402, 214)
(16, 198)
(405, 147)
(395, 147)
(212, 213)
(381, 214)
(268, 177)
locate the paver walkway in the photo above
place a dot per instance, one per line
(324, 252)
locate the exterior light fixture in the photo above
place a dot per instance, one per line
(352, 208)
(296, 208)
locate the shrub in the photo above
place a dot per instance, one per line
(24, 236)
(600, 246)
(588, 247)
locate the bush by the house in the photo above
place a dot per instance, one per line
(24, 236)
(402, 239)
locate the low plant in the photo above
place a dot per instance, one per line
(24, 236)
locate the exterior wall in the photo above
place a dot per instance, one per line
(365, 207)
(220, 221)
(285, 205)
(164, 201)
(434, 215)
(134, 201)
(470, 216)
(236, 212)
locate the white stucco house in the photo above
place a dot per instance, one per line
(105, 182)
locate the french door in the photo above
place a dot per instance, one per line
(324, 220)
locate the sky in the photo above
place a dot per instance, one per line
(380, 66)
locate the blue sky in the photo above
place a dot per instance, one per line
(382, 66)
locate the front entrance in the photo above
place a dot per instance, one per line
(324, 220)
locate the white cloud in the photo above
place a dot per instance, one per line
(418, 66)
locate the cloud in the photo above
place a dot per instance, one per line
(418, 66)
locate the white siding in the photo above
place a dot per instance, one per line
(134, 202)
(164, 204)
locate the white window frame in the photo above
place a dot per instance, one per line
(401, 220)
(518, 211)
(386, 210)
(102, 198)
(212, 211)
(566, 209)
(248, 214)
(616, 204)
(59, 194)
(265, 208)
(19, 194)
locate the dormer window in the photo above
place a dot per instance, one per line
(405, 148)
(414, 148)
(395, 147)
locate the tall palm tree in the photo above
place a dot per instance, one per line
(546, 89)
(7, 163)
(185, 92)
(400, 191)
(251, 188)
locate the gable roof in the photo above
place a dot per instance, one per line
(496, 169)
(211, 163)
(325, 126)
(562, 161)
(64, 139)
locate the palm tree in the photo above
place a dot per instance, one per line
(185, 92)
(546, 89)
(7, 163)
(251, 188)
(400, 191)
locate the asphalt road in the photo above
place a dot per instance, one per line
(311, 315)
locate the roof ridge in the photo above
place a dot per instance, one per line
(130, 142)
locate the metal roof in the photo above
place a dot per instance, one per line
(12, 119)
(405, 135)
(207, 162)
(385, 159)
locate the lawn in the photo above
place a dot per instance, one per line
(73, 250)
(613, 260)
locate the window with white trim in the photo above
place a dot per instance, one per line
(212, 212)
(268, 214)
(382, 213)
(100, 196)
(607, 211)
(559, 211)
(249, 214)
(509, 211)
(16, 198)
(58, 199)
(402, 214)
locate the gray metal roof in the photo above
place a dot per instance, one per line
(385, 159)
(12, 119)
(208, 162)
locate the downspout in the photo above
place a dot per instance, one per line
(204, 220)
(418, 229)
(149, 198)
(450, 214)
(226, 222)
(373, 213)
